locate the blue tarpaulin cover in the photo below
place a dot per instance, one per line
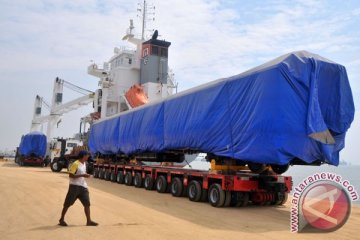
(33, 143)
(299, 105)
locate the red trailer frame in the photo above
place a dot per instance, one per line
(221, 189)
(31, 161)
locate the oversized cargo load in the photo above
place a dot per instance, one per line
(294, 109)
(33, 144)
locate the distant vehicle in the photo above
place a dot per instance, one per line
(61, 146)
(64, 152)
(31, 150)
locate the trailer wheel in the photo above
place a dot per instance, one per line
(138, 180)
(176, 187)
(89, 168)
(120, 177)
(194, 191)
(102, 173)
(227, 198)
(233, 201)
(242, 199)
(283, 198)
(279, 169)
(96, 173)
(128, 179)
(113, 176)
(257, 167)
(107, 176)
(55, 166)
(148, 182)
(161, 184)
(216, 195)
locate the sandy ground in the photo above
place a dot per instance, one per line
(31, 200)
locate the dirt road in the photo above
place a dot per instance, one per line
(31, 200)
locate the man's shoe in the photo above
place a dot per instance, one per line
(62, 223)
(91, 223)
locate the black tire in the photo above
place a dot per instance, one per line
(55, 166)
(194, 191)
(112, 176)
(120, 177)
(176, 187)
(128, 179)
(242, 199)
(279, 169)
(96, 173)
(227, 198)
(257, 167)
(148, 182)
(89, 168)
(216, 195)
(101, 173)
(138, 180)
(233, 201)
(90, 171)
(161, 184)
(284, 198)
(107, 176)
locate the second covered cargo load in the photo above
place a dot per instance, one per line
(32, 149)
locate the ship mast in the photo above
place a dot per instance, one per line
(144, 10)
(143, 21)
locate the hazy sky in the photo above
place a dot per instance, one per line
(43, 39)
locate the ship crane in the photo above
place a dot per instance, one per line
(58, 108)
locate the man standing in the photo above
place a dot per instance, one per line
(78, 189)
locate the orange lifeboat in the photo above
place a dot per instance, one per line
(136, 96)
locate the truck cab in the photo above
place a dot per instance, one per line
(60, 147)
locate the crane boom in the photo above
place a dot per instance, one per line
(58, 108)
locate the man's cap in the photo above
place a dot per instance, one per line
(83, 153)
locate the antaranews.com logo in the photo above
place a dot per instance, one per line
(321, 203)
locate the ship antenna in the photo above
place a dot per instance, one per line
(145, 16)
(143, 20)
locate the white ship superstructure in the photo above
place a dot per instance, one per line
(146, 67)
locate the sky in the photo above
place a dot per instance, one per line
(43, 39)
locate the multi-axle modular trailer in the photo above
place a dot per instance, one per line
(220, 189)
